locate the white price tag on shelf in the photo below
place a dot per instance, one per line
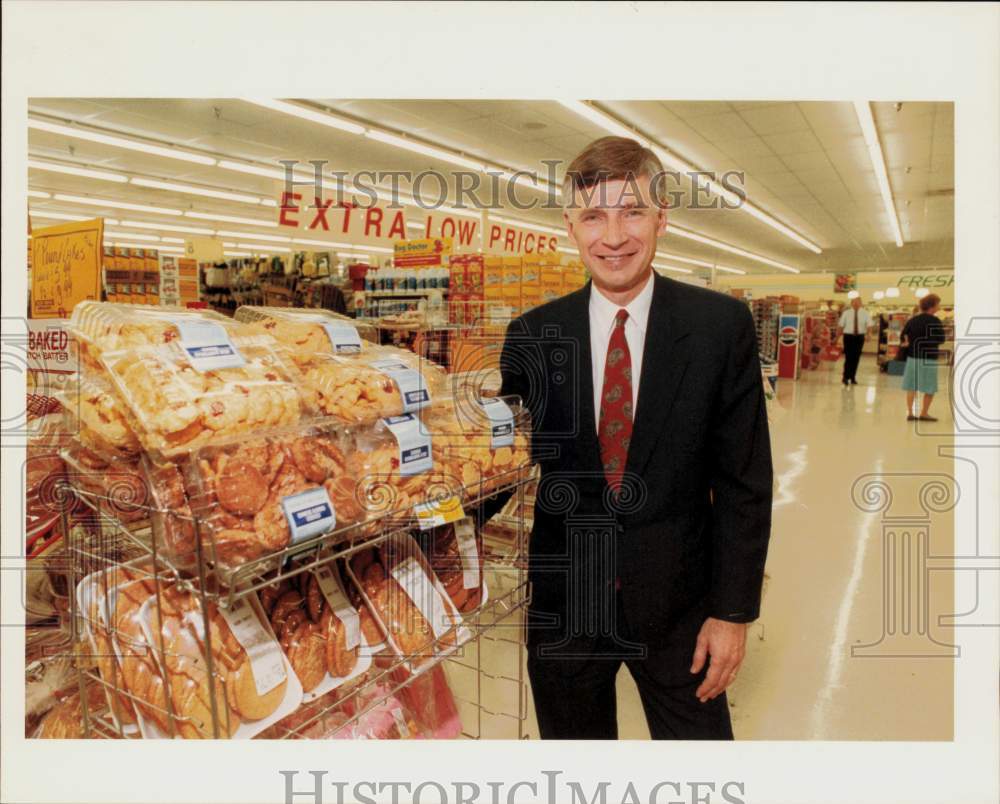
(340, 605)
(438, 512)
(264, 653)
(207, 346)
(501, 422)
(414, 445)
(418, 587)
(410, 383)
(465, 533)
(309, 513)
(344, 338)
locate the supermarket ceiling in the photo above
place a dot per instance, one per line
(810, 169)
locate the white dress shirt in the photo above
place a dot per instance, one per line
(602, 322)
(847, 321)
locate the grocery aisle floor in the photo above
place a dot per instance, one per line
(825, 575)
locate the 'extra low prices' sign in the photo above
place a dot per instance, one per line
(343, 223)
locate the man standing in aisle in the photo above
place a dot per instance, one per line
(653, 509)
(853, 326)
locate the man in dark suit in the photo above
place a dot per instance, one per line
(653, 510)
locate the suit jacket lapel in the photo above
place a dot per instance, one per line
(664, 361)
(580, 389)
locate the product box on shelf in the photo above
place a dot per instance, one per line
(493, 277)
(474, 275)
(151, 276)
(137, 269)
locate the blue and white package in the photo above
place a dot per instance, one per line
(344, 338)
(501, 423)
(409, 381)
(414, 444)
(309, 513)
(208, 346)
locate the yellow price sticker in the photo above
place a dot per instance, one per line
(435, 513)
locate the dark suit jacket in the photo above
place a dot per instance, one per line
(690, 528)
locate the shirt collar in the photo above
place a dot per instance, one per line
(603, 310)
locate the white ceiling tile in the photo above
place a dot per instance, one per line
(795, 142)
(778, 118)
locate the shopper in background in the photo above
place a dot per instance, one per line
(653, 510)
(853, 326)
(919, 343)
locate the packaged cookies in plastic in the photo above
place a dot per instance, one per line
(249, 679)
(455, 553)
(306, 334)
(259, 495)
(114, 486)
(382, 381)
(187, 379)
(483, 442)
(318, 628)
(409, 604)
(97, 417)
(393, 467)
(105, 327)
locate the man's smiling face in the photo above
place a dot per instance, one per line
(615, 225)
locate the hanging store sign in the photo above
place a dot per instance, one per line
(502, 238)
(421, 253)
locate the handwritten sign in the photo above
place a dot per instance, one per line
(65, 267)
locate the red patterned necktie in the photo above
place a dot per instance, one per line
(614, 427)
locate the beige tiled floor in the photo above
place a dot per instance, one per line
(826, 576)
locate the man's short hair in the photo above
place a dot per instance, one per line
(611, 158)
(929, 302)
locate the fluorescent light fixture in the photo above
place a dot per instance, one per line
(193, 190)
(254, 236)
(863, 110)
(414, 225)
(266, 172)
(323, 243)
(665, 255)
(168, 227)
(268, 202)
(119, 142)
(60, 216)
(104, 202)
(603, 120)
(211, 216)
(878, 295)
(259, 247)
(130, 236)
(567, 250)
(426, 150)
(708, 241)
(378, 249)
(852, 294)
(921, 292)
(525, 225)
(674, 268)
(55, 167)
(305, 113)
(172, 239)
(892, 293)
(519, 177)
(237, 254)
(38, 194)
